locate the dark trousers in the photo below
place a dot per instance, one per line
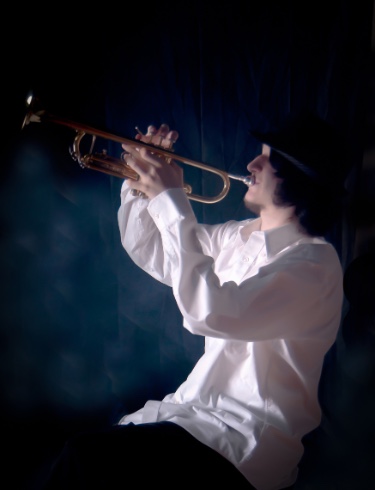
(135, 456)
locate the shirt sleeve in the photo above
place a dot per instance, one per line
(140, 236)
(147, 245)
(291, 297)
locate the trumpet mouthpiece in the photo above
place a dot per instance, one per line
(247, 180)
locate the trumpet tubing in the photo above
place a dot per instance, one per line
(117, 167)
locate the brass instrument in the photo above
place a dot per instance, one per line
(117, 166)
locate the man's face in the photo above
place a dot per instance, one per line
(260, 195)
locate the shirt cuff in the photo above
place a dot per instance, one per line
(169, 207)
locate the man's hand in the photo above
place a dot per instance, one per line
(156, 174)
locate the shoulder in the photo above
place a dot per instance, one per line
(317, 249)
(309, 256)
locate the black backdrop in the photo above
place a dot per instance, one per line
(87, 336)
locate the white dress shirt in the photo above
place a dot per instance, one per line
(269, 306)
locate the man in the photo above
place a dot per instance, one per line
(266, 293)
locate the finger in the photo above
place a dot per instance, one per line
(136, 193)
(163, 130)
(146, 138)
(157, 135)
(170, 139)
(140, 159)
(135, 187)
(138, 165)
(151, 130)
(147, 163)
(161, 136)
(130, 148)
(127, 147)
(153, 158)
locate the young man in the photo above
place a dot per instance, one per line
(266, 294)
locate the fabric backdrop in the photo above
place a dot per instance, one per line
(85, 334)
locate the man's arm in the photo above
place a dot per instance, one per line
(290, 297)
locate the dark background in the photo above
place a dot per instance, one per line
(85, 335)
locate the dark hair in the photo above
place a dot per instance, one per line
(317, 205)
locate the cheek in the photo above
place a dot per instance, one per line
(271, 183)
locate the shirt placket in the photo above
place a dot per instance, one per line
(252, 255)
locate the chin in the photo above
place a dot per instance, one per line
(251, 206)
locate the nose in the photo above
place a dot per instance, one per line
(255, 165)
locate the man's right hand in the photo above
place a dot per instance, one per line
(156, 172)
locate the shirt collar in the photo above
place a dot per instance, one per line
(275, 239)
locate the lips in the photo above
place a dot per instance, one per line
(252, 179)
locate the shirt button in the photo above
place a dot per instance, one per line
(246, 259)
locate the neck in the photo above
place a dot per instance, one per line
(276, 217)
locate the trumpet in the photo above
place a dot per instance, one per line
(118, 167)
